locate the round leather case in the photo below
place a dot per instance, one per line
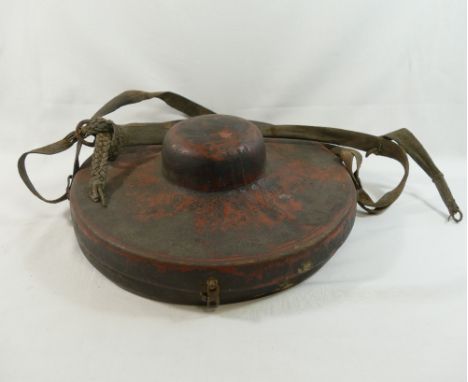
(216, 214)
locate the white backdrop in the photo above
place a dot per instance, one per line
(389, 306)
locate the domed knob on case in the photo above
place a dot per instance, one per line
(213, 153)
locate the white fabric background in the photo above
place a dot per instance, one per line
(390, 306)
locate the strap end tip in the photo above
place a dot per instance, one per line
(456, 216)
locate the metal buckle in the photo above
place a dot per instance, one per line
(210, 292)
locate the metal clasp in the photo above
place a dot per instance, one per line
(210, 292)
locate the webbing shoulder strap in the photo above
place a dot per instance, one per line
(344, 143)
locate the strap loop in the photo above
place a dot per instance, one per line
(54, 148)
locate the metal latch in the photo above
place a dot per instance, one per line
(210, 292)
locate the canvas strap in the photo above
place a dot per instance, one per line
(110, 138)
